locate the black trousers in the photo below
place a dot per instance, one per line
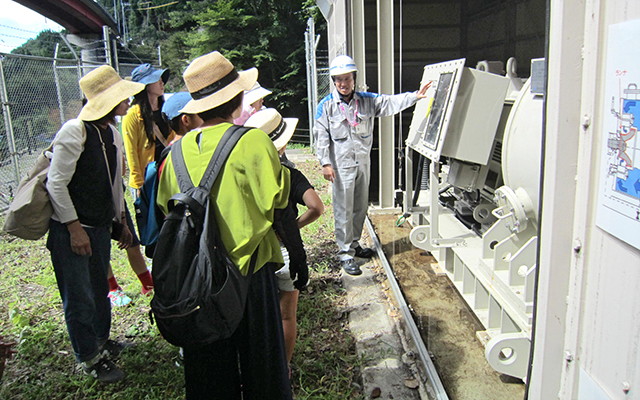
(252, 362)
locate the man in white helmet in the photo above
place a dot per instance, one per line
(343, 131)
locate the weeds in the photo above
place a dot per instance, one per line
(325, 364)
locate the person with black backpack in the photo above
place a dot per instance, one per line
(243, 358)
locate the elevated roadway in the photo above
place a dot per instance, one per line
(78, 17)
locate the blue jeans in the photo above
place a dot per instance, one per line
(82, 282)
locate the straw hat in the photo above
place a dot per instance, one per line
(256, 93)
(280, 130)
(213, 81)
(104, 90)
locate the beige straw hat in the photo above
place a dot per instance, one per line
(104, 90)
(213, 81)
(280, 130)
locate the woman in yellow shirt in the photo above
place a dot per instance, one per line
(144, 130)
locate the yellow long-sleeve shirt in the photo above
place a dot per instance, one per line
(138, 149)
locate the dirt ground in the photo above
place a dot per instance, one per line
(447, 325)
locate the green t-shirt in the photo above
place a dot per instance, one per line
(250, 186)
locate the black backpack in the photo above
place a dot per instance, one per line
(200, 294)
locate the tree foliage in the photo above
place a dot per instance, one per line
(43, 45)
(267, 34)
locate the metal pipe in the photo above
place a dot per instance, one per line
(115, 54)
(312, 77)
(57, 82)
(107, 45)
(435, 194)
(386, 137)
(423, 353)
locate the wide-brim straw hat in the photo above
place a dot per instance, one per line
(280, 130)
(212, 81)
(256, 93)
(104, 90)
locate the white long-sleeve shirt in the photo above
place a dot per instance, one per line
(68, 145)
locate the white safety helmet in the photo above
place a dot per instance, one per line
(342, 65)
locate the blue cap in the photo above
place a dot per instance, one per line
(146, 74)
(172, 106)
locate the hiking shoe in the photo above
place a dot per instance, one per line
(118, 298)
(147, 291)
(364, 253)
(350, 267)
(104, 370)
(112, 349)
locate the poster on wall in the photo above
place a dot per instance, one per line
(619, 191)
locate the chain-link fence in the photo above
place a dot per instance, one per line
(38, 95)
(324, 82)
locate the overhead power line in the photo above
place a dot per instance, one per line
(12, 36)
(160, 6)
(17, 29)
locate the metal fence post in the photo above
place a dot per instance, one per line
(56, 79)
(310, 83)
(115, 54)
(7, 123)
(107, 45)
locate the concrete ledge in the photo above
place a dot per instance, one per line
(383, 373)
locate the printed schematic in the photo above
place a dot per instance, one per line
(624, 149)
(618, 211)
(619, 197)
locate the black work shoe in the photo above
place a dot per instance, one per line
(104, 370)
(350, 267)
(364, 253)
(112, 349)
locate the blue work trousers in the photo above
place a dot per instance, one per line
(82, 282)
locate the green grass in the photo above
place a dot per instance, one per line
(325, 364)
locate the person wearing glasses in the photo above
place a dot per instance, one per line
(344, 134)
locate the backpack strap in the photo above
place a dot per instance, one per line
(228, 141)
(224, 148)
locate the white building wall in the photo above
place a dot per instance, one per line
(562, 134)
(599, 348)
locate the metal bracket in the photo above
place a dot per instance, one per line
(420, 237)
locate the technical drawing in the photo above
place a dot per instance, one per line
(623, 145)
(619, 194)
(623, 149)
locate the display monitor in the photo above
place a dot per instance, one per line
(438, 108)
(460, 114)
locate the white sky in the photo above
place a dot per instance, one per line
(19, 24)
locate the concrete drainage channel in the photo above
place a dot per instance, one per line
(395, 364)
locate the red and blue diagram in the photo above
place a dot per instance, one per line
(624, 142)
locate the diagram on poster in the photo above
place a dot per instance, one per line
(619, 194)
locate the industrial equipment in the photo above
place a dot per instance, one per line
(483, 132)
